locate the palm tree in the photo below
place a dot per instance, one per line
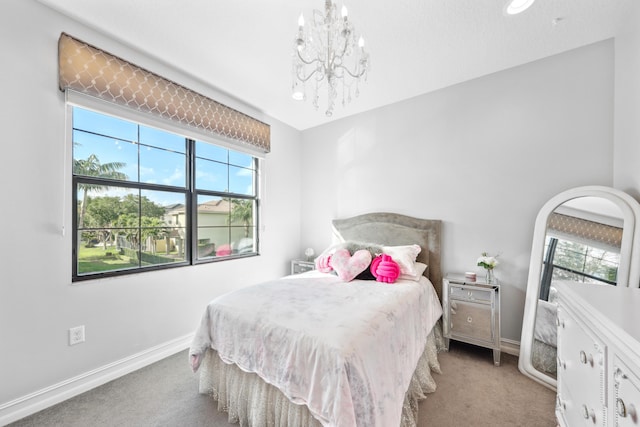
(242, 211)
(92, 167)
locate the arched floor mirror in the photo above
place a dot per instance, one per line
(585, 234)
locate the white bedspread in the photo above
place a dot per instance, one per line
(346, 350)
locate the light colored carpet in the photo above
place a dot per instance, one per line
(471, 392)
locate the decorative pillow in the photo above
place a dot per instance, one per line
(347, 266)
(405, 256)
(323, 263)
(420, 269)
(374, 248)
(353, 246)
(385, 269)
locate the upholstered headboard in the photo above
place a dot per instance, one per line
(392, 229)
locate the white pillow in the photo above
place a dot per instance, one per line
(405, 256)
(420, 269)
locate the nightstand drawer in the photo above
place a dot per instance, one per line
(471, 320)
(299, 266)
(471, 294)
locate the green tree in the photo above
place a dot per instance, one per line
(102, 212)
(152, 230)
(91, 166)
(242, 212)
(138, 229)
(132, 204)
(128, 224)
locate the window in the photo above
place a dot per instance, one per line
(577, 262)
(147, 198)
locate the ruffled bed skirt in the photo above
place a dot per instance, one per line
(250, 401)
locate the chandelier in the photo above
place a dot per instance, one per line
(328, 53)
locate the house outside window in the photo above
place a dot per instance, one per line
(146, 198)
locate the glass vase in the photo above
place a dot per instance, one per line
(490, 279)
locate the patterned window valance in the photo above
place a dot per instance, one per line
(90, 70)
(586, 230)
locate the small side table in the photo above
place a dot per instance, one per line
(299, 266)
(471, 312)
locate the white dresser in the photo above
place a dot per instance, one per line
(598, 355)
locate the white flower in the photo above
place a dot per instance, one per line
(486, 261)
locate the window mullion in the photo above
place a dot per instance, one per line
(192, 203)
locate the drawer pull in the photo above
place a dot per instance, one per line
(621, 408)
(469, 319)
(586, 413)
(618, 375)
(623, 411)
(559, 323)
(562, 364)
(584, 359)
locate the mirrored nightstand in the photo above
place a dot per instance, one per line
(299, 266)
(471, 312)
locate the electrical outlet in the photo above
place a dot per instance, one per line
(76, 335)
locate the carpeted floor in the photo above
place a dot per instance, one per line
(471, 392)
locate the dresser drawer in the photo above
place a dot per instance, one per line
(470, 294)
(626, 399)
(581, 369)
(470, 319)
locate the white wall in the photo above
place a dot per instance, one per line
(627, 105)
(483, 156)
(123, 316)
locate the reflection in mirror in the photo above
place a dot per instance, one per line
(587, 235)
(582, 244)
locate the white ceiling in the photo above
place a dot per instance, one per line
(243, 47)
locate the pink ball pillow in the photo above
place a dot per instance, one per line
(348, 266)
(385, 269)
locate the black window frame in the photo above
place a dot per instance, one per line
(190, 193)
(548, 268)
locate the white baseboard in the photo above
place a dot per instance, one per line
(510, 346)
(56, 393)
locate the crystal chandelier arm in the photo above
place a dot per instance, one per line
(344, 47)
(304, 61)
(317, 69)
(356, 75)
(305, 79)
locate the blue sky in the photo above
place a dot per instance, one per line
(162, 157)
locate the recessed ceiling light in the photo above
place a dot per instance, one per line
(518, 6)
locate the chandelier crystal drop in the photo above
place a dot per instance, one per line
(329, 53)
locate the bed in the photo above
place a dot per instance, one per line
(545, 335)
(312, 350)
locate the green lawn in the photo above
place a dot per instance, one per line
(96, 259)
(92, 260)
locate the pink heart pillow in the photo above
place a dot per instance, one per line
(347, 266)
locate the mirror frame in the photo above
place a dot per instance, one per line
(628, 271)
